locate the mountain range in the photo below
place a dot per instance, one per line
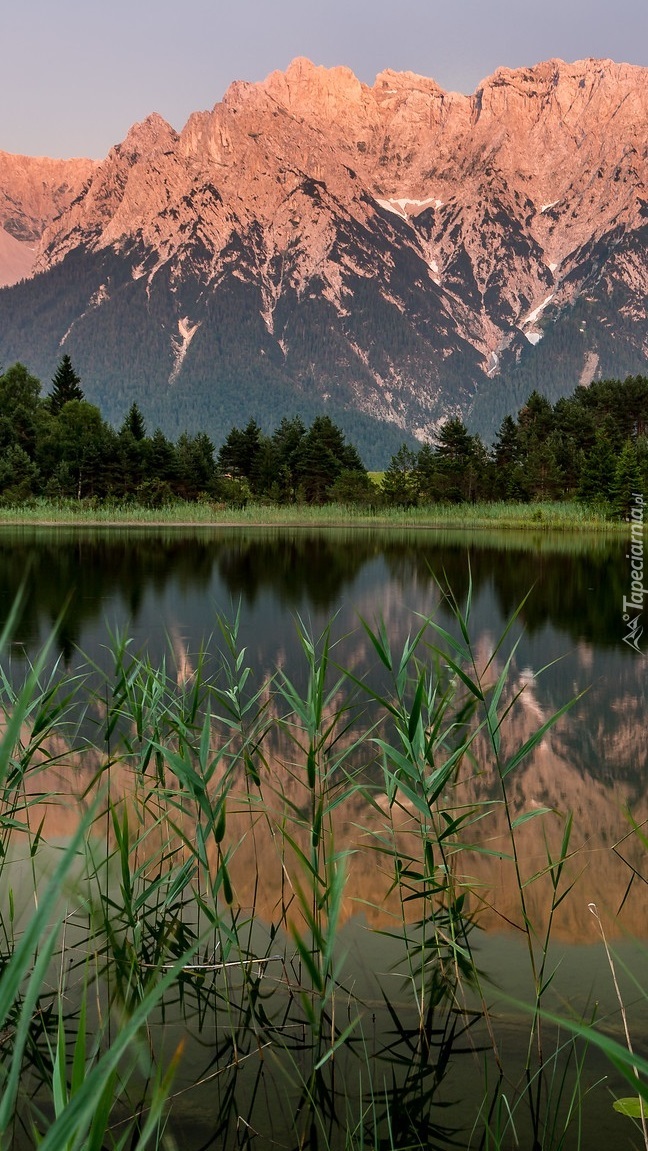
(393, 254)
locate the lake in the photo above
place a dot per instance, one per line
(167, 590)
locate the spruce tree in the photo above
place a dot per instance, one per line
(459, 457)
(400, 481)
(237, 455)
(598, 472)
(627, 480)
(506, 456)
(134, 423)
(323, 455)
(542, 475)
(286, 442)
(66, 386)
(427, 474)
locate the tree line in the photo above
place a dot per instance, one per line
(591, 446)
(59, 446)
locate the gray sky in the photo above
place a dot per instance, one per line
(77, 73)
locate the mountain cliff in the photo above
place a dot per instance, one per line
(394, 253)
(32, 193)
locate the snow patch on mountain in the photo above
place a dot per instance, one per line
(436, 273)
(97, 298)
(180, 345)
(392, 207)
(400, 205)
(290, 188)
(533, 316)
(493, 364)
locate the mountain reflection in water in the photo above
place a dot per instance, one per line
(166, 590)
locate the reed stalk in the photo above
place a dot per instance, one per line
(187, 774)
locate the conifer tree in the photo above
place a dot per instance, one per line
(66, 386)
(237, 454)
(542, 475)
(460, 457)
(535, 419)
(400, 481)
(286, 442)
(506, 457)
(627, 479)
(162, 463)
(323, 455)
(427, 474)
(134, 423)
(598, 472)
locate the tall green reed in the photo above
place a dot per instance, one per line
(448, 711)
(77, 1091)
(194, 769)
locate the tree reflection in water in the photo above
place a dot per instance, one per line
(239, 833)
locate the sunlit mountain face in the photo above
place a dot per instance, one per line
(395, 254)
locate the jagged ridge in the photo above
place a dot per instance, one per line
(395, 250)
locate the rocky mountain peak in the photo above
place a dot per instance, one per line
(305, 85)
(33, 192)
(435, 237)
(150, 135)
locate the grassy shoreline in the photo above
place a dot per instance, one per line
(540, 516)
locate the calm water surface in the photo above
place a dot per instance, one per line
(167, 589)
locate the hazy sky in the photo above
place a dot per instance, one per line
(77, 73)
